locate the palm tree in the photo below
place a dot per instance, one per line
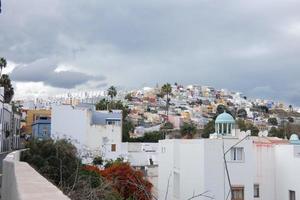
(3, 64)
(112, 92)
(8, 88)
(166, 89)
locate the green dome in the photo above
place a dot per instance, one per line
(294, 137)
(225, 118)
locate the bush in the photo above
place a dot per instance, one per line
(273, 121)
(152, 137)
(208, 129)
(188, 129)
(58, 162)
(167, 125)
(98, 160)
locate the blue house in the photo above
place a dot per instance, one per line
(41, 128)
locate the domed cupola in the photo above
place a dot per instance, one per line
(294, 139)
(224, 124)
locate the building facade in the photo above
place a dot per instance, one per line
(229, 164)
(41, 128)
(93, 132)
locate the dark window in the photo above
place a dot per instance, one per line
(256, 190)
(292, 195)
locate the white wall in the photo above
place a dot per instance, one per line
(198, 165)
(139, 154)
(95, 137)
(165, 169)
(265, 170)
(76, 124)
(69, 122)
(287, 171)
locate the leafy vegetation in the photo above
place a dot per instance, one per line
(129, 183)
(208, 129)
(273, 121)
(276, 132)
(245, 126)
(58, 162)
(112, 92)
(188, 129)
(152, 137)
(98, 160)
(166, 89)
(167, 126)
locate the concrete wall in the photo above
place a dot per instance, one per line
(197, 166)
(21, 182)
(287, 162)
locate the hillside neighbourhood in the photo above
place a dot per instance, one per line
(167, 142)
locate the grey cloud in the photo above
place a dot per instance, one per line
(44, 71)
(239, 45)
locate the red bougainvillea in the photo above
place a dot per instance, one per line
(127, 181)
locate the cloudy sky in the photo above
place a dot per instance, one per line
(59, 45)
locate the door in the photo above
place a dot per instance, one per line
(238, 193)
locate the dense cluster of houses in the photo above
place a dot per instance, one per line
(229, 163)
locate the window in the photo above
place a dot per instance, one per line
(256, 191)
(237, 154)
(113, 147)
(292, 195)
(110, 122)
(238, 193)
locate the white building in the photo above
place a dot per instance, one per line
(9, 126)
(257, 168)
(93, 132)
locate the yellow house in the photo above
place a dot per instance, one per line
(186, 115)
(32, 115)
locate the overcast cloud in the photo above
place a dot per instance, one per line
(249, 46)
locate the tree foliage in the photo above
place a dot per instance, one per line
(58, 162)
(98, 160)
(152, 137)
(208, 129)
(273, 121)
(276, 132)
(3, 64)
(103, 104)
(112, 92)
(128, 97)
(8, 88)
(221, 108)
(167, 126)
(166, 89)
(188, 129)
(128, 182)
(243, 126)
(242, 113)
